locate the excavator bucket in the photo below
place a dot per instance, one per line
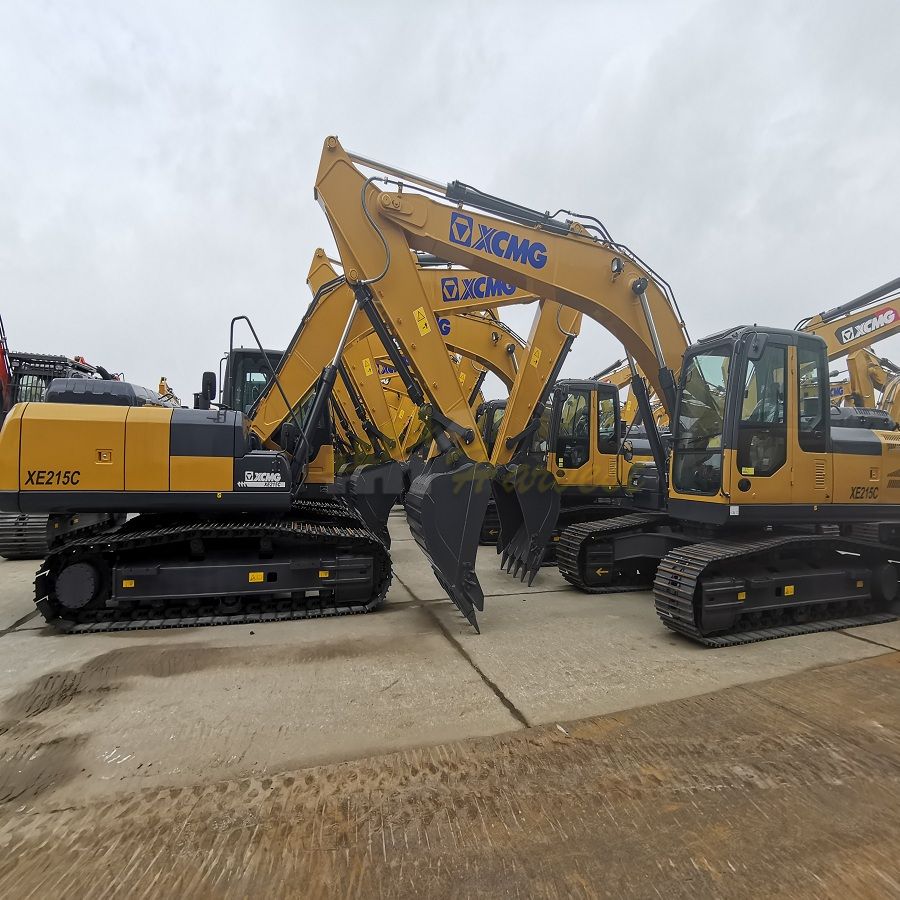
(445, 506)
(373, 489)
(527, 499)
(414, 466)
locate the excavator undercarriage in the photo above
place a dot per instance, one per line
(170, 571)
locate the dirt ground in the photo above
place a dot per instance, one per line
(574, 748)
(789, 787)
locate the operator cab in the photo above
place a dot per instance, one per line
(753, 419)
(247, 372)
(585, 418)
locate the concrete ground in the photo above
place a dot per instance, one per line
(102, 724)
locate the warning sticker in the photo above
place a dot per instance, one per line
(255, 577)
(367, 366)
(535, 357)
(421, 320)
(462, 377)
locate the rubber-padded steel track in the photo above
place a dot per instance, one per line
(678, 579)
(23, 536)
(570, 549)
(314, 523)
(490, 527)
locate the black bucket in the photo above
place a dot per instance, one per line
(527, 499)
(445, 507)
(373, 489)
(414, 467)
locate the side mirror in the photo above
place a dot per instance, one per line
(627, 451)
(208, 386)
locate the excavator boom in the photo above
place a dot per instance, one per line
(575, 268)
(859, 323)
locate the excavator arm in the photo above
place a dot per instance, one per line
(574, 265)
(555, 260)
(484, 339)
(859, 323)
(868, 373)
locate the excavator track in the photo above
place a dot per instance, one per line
(490, 527)
(576, 515)
(23, 536)
(573, 557)
(684, 573)
(326, 534)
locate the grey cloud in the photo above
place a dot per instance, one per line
(157, 161)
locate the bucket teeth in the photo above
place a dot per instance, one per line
(445, 506)
(527, 501)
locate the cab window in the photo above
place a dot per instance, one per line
(762, 432)
(607, 424)
(573, 441)
(30, 388)
(812, 393)
(700, 423)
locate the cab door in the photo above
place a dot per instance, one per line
(761, 457)
(571, 440)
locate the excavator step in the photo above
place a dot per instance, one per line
(683, 579)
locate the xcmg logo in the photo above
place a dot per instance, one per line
(478, 288)
(869, 325)
(494, 242)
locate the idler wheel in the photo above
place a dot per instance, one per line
(77, 585)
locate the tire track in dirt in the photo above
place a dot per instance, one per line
(728, 793)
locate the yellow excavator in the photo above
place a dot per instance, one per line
(240, 518)
(751, 530)
(26, 377)
(591, 481)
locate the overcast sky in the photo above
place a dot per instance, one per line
(157, 159)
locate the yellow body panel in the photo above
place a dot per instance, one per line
(93, 458)
(147, 449)
(201, 473)
(546, 342)
(321, 469)
(9, 448)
